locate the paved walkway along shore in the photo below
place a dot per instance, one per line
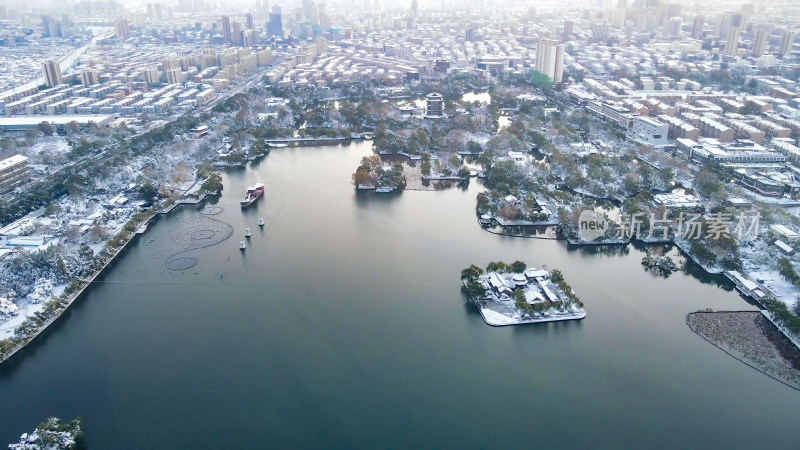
(89, 281)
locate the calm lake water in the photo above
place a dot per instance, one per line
(343, 325)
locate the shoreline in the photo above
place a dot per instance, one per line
(560, 318)
(679, 245)
(499, 233)
(694, 324)
(564, 318)
(141, 229)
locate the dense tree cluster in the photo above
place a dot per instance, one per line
(80, 177)
(781, 314)
(53, 434)
(372, 173)
(25, 268)
(212, 184)
(470, 277)
(787, 271)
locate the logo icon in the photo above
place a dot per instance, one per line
(591, 225)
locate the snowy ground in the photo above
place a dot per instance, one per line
(54, 145)
(414, 180)
(26, 309)
(500, 310)
(777, 201)
(772, 280)
(498, 319)
(69, 238)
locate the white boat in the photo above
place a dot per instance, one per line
(384, 190)
(247, 232)
(261, 221)
(242, 245)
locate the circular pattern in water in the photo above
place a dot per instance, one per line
(212, 210)
(181, 262)
(202, 233)
(192, 234)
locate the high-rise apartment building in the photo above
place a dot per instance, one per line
(275, 26)
(568, 25)
(732, 41)
(171, 62)
(667, 11)
(51, 27)
(52, 73)
(14, 172)
(550, 59)
(208, 58)
(600, 32)
(236, 36)
(672, 28)
(90, 77)
(151, 75)
(248, 38)
(174, 75)
(121, 28)
(727, 21)
(722, 25)
(226, 29)
(759, 42)
(697, 27)
(787, 42)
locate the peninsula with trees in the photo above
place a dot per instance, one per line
(513, 294)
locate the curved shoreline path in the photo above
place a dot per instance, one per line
(751, 338)
(43, 328)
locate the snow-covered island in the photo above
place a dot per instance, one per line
(515, 294)
(52, 434)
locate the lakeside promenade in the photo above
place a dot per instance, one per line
(89, 281)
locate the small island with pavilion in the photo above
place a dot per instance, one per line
(515, 294)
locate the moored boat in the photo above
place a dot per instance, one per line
(252, 194)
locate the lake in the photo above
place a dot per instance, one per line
(343, 325)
